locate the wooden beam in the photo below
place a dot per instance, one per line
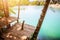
(23, 25)
(18, 11)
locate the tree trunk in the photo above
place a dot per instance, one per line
(18, 11)
(6, 11)
(34, 37)
(5, 6)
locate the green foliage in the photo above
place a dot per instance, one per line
(42, 3)
(37, 3)
(11, 11)
(1, 13)
(2, 9)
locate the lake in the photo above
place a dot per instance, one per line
(50, 28)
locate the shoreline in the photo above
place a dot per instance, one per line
(57, 6)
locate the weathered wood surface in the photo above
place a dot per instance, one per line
(9, 20)
(16, 33)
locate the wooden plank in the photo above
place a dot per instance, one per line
(28, 31)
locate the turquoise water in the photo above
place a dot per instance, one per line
(51, 25)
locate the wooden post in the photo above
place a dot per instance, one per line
(34, 37)
(23, 25)
(18, 11)
(6, 11)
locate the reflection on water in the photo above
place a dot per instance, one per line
(51, 25)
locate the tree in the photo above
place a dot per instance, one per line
(34, 37)
(2, 9)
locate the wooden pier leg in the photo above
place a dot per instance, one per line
(8, 26)
(23, 25)
(1, 33)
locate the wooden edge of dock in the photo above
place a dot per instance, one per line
(27, 31)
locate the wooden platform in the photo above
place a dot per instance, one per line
(4, 20)
(16, 33)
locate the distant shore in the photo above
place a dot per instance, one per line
(55, 6)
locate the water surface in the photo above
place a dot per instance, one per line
(50, 28)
